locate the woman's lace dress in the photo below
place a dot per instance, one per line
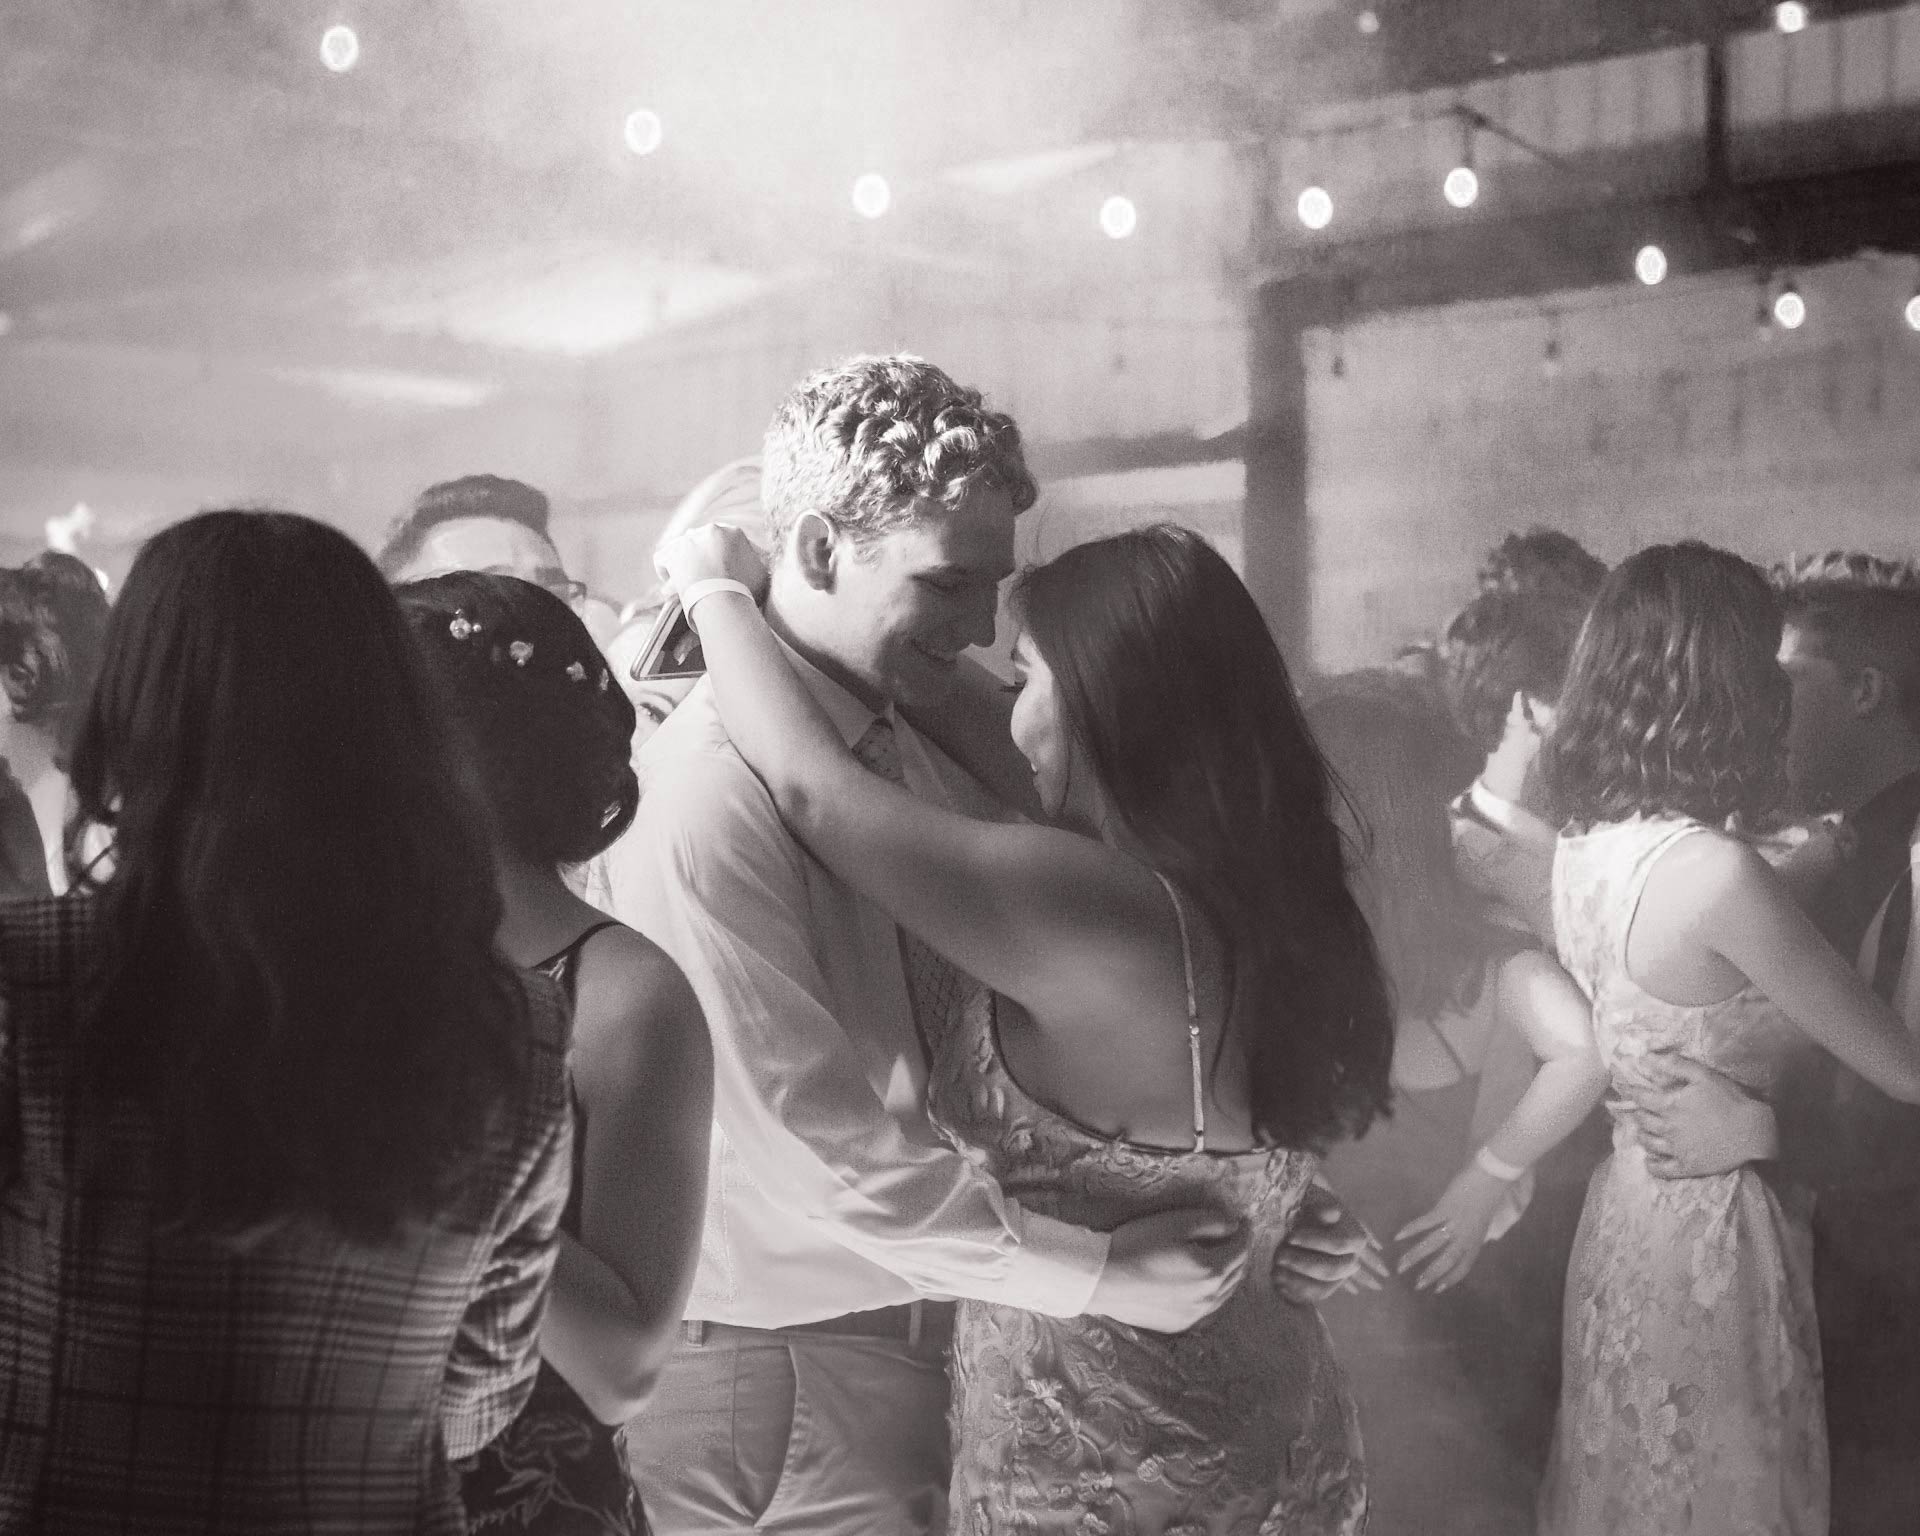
(1691, 1396)
(1242, 1424)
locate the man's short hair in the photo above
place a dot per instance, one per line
(511, 501)
(1545, 562)
(867, 442)
(1859, 611)
(1500, 644)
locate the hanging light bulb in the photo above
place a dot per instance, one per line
(1789, 309)
(872, 197)
(643, 131)
(1118, 217)
(1790, 17)
(339, 49)
(1315, 207)
(1911, 313)
(1650, 265)
(1462, 184)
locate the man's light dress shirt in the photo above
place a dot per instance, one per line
(828, 1191)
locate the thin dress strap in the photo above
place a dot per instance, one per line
(1193, 1017)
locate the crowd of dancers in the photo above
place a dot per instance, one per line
(448, 1083)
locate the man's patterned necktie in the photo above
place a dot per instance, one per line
(938, 988)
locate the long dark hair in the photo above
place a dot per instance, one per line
(53, 620)
(1397, 761)
(1675, 702)
(536, 708)
(296, 973)
(1172, 684)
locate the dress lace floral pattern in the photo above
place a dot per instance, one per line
(1691, 1399)
(1077, 1425)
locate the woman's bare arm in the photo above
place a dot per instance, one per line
(1745, 914)
(1048, 917)
(643, 1068)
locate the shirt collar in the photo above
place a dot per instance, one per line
(850, 717)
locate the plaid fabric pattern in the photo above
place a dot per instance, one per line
(294, 1383)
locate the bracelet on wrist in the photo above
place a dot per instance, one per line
(1498, 1167)
(699, 589)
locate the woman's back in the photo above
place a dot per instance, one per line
(292, 1381)
(1237, 1423)
(1601, 882)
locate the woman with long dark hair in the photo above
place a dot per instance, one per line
(283, 1140)
(1690, 1395)
(1180, 1006)
(548, 734)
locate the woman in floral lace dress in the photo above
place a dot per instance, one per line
(1178, 1003)
(1691, 1394)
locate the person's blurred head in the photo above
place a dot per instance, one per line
(1503, 660)
(53, 619)
(1675, 703)
(478, 523)
(1156, 697)
(890, 494)
(535, 711)
(296, 972)
(1544, 562)
(1850, 645)
(1397, 762)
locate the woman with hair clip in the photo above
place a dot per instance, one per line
(546, 732)
(1177, 1004)
(283, 1141)
(1691, 1391)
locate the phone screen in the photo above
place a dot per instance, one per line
(672, 648)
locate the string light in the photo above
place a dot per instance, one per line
(1368, 22)
(872, 197)
(1790, 17)
(1650, 265)
(1315, 207)
(1118, 217)
(339, 49)
(643, 131)
(1911, 313)
(1789, 309)
(1462, 184)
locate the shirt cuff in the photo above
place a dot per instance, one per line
(1055, 1268)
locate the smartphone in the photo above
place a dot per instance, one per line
(672, 648)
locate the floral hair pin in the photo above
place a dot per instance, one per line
(521, 651)
(577, 671)
(461, 627)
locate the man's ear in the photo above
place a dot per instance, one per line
(815, 543)
(1871, 692)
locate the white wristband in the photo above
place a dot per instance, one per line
(1504, 1171)
(699, 589)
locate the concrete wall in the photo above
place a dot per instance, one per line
(1669, 413)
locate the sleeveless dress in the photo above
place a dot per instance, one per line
(1081, 1425)
(1691, 1397)
(556, 1470)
